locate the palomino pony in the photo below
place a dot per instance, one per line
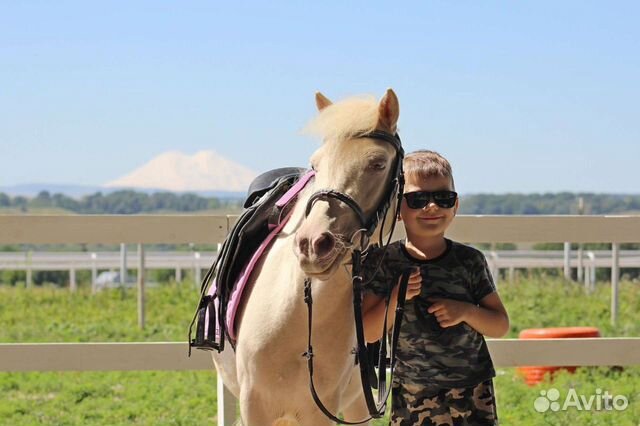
(267, 372)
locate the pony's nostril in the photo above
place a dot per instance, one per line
(323, 245)
(303, 246)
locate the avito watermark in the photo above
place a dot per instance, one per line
(600, 401)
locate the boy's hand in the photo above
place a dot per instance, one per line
(448, 312)
(413, 286)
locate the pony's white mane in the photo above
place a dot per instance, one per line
(345, 119)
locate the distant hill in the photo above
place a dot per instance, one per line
(204, 173)
(178, 172)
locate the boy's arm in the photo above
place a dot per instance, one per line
(489, 318)
(373, 308)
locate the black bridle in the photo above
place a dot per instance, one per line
(396, 184)
(394, 191)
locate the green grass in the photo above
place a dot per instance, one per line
(515, 399)
(108, 398)
(552, 302)
(50, 314)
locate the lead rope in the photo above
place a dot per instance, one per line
(376, 410)
(308, 299)
(309, 355)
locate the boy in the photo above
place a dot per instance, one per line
(444, 371)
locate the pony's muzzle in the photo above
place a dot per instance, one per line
(324, 244)
(316, 247)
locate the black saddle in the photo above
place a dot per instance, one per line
(242, 241)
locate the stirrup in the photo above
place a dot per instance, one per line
(206, 337)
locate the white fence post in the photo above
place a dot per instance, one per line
(141, 286)
(590, 272)
(123, 264)
(227, 404)
(580, 263)
(94, 272)
(73, 284)
(615, 276)
(28, 273)
(197, 272)
(495, 270)
(567, 260)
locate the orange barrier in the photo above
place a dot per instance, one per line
(535, 374)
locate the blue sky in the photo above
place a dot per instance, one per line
(520, 96)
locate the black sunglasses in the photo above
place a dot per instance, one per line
(420, 199)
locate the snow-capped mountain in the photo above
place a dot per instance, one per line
(176, 171)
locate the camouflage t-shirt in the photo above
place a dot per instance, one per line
(428, 355)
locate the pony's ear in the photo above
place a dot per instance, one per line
(389, 111)
(322, 101)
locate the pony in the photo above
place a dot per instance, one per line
(267, 372)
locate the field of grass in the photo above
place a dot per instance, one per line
(51, 314)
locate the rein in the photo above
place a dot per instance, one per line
(376, 409)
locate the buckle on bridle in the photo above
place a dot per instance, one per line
(364, 238)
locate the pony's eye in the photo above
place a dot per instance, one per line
(377, 165)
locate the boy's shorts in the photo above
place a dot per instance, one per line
(474, 406)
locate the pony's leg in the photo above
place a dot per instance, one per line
(312, 416)
(285, 421)
(356, 411)
(225, 363)
(252, 409)
(354, 407)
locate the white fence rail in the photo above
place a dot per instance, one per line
(30, 261)
(186, 260)
(173, 355)
(206, 229)
(64, 261)
(179, 229)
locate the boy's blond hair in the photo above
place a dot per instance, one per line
(424, 164)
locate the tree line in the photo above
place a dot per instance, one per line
(132, 202)
(119, 202)
(550, 203)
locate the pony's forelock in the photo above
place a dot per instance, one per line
(345, 119)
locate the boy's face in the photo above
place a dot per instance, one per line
(432, 220)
